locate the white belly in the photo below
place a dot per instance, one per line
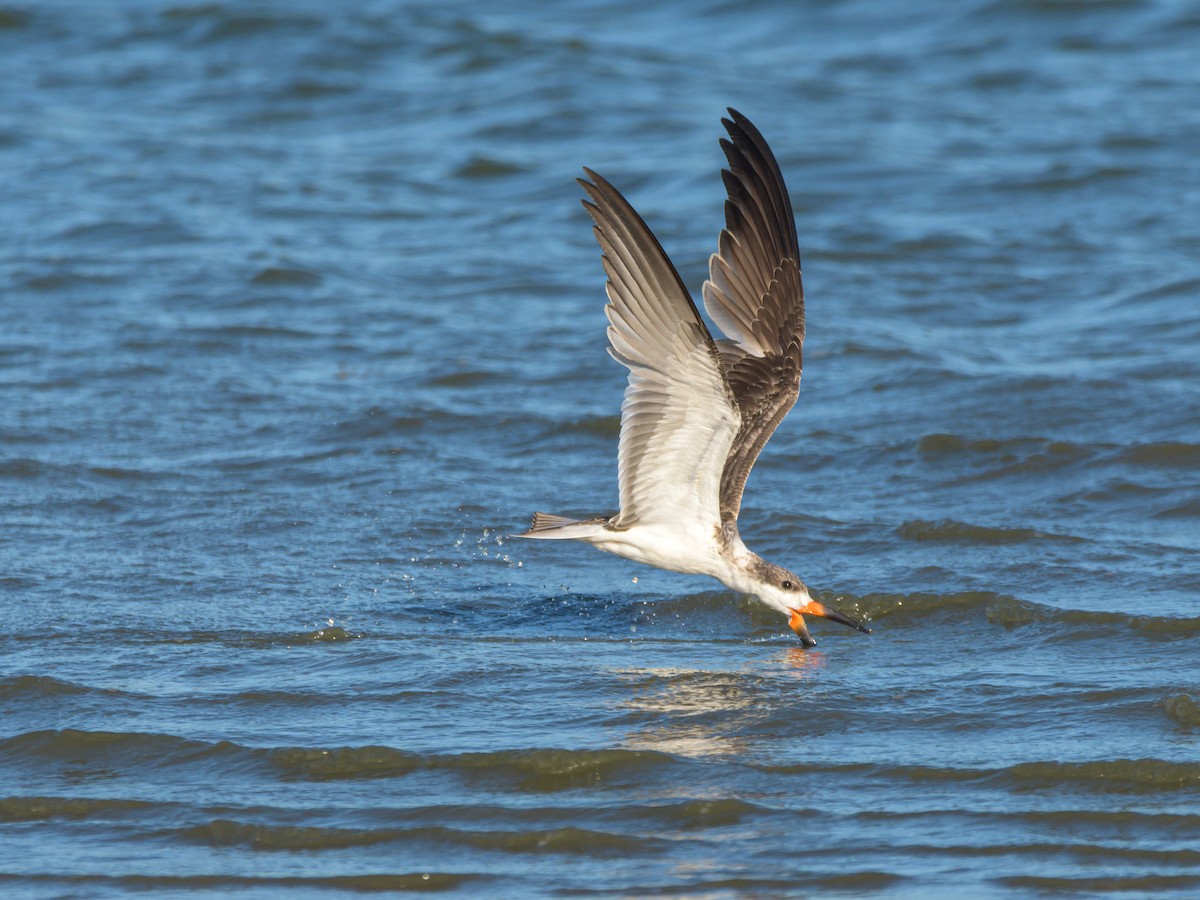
(693, 551)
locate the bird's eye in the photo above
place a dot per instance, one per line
(787, 585)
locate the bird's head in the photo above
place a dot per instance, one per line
(782, 590)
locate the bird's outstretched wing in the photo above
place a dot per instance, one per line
(679, 416)
(755, 295)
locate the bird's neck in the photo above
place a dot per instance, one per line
(744, 566)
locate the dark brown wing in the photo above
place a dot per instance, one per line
(755, 295)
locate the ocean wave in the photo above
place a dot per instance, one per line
(682, 815)
(954, 532)
(1110, 776)
(376, 422)
(211, 336)
(409, 881)
(1080, 851)
(13, 19)
(24, 468)
(1003, 610)
(1189, 509)
(64, 280)
(944, 444)
(878, 350)
(1124, 819)
(325, 634)
(464, 378)
(541, 769)
(480, 166)
(219, 23)
(714, 610)
(114, 748)
(240, 638)
(111, 234)
(1183, 709)
(597, 426)
(567, 840)
(1010, 612)
(537, 769)
(1165, 454)
(769, 886)
(1125, 776)
(1144, 885)
(41, 686)
(983, 459)
(696, 814)
(1061, 176)
(285, 276)
(343, 762)
(36, 809)
(1172, 291)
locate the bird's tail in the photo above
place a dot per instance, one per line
(559, 528)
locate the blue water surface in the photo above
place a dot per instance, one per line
(300, 318)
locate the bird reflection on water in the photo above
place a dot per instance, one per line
(802, 664)
(673, 710)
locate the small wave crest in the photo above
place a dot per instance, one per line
(1183, 709)
(536, 769)
(27, 469)
(1005, 611)
(983, 459)
(17, 686)
(540, 769)
(953, 532)
(216, 884)
(1125, 776)
(13, 19)
(594, 426)
(943, 444)
(1117, 775)
(865, 881)
(1136, 885)
(36, 809)
(286, 276)
(569, 840)
(113, 748)
(327, 634)
(1168, 454)
(221, 24)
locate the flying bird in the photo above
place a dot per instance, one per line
(698, 411)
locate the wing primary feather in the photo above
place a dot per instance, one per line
(679, 416)
(755, 294)
(697, 412)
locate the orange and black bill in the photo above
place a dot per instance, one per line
(814, 608)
